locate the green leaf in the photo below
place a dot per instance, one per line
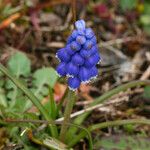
(9, 85)
(128, 4)
(146, 8)
(123, 142)
(20, 103)
(29, 115)
(51, 106)
(19, 65)
(145, 19)
(147, 92)
(8, 10)
(3, 100)
(43, 78)
(1, 79)
(1, 74)
(13, 93)
(129, 128)
(147, 29)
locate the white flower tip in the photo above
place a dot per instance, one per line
(72, 89)
(85, 82)
(94, 77)
(68, 75)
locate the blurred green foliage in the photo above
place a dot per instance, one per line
(123, 143)
(145, 17)
(147, 92)
(128, 4)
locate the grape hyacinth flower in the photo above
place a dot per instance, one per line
(79, 57)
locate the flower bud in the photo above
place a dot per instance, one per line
(77, 60)
(84, 53)
(73, 83)
(69, 50)
(81, 39)
(70, 39)
(84, 74)
(72, 70)
(87, 53)
(93, 50)
(61, 69)
(92, 60)
(88, 44)
(75, 46)
(94, 72)
(62, 55)
(93, 40)
(89, 33)
(81, 32)
(74, 34)
(80, 24)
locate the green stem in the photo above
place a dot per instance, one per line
(68, 110)
(73, 3)
(103, 98)
(105, 125)
(31, 96)
(5, 121)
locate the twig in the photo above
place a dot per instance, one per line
(146, 74)
(116, 51)
(117, 41)
(55, 44)
(30, 121)
(51, 3)
(73, 3)
(107, 95)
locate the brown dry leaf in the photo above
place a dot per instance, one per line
(50, 19)
(59, 90)
(133, 46)
(3, 137)
(9, 20)
(85, 90)
(51, 3)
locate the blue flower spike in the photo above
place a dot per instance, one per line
(80, 56)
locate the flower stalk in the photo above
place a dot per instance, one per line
(68, 110)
